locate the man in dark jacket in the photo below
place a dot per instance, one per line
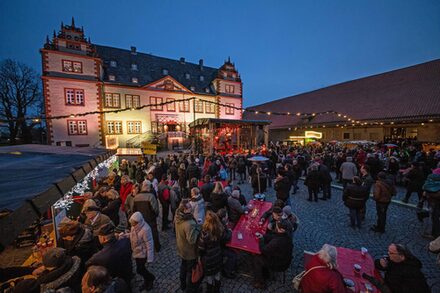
(146, 203)
(415, 179)
(354, 198)
(193, 171)
(207, 188)
(402, 271)
(313, 181)
(282, 187)
(384, 189)
(115, 256)
(326, 181)
(276, 253)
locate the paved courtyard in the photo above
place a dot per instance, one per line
(321, 222)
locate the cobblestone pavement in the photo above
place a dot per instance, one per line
(321, 222)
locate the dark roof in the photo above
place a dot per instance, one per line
(404, 94)
(149, 69)
(206, 121)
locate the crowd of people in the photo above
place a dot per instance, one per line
(201, 200)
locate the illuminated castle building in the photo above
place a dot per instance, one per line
(79, 76)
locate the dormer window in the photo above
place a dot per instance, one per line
(202, 78)
(134, 80)
(192, 88)
(111, 77)
(187, 76)
(164, 71)
(113, 63)
(134, 67)
(207, 90)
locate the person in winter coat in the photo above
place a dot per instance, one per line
(207, 188)
(126, 188)
(115, 255)
(326, 181)
(276, 253)
(235, 208)
(384, 189)
(95, 219)
(142, 246)
(282, 186)
(232, 168)
(98, 279)
(198, 205)
(113, 206)
(323, 276)
(354, 198)
(77, 240)
(193, 171)
(348, 171)
(431, 192)
(313, 181)
(402, 271)
(258, 180)
(210, 243)
(163, 193)
(187, 233)
(219, 198)
(241, 169)
(183, 180)
(175, 197)
(415, 179)
(129, 201)
(146, 203)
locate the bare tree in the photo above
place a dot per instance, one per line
(20, 95)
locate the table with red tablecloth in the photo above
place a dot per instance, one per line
(347, 258)
(248, 225)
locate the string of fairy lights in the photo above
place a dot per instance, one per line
(345, 120)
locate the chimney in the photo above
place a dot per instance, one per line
(201, 64)
(182, 60)
(133, 50)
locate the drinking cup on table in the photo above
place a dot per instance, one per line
(364, 251)
(258, 235)
(357, 268)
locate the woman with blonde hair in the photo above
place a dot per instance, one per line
(210, 242)
(219, 198)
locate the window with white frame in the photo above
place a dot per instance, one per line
(154, 102)
(187, 76)
(72, 66)
(134, 127)
(132, 101)
(74, 97)
(198, 106)
(171, 106)
(114, 127)
(77, 127)
(229, 110)
(111, 77)
(209, 108)
(164, 71)
(134, 66)
(184, 106)
(112, 100)
(113, 63)
(202, 78)
(229, 88)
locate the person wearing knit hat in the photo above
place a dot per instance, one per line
(142, 246)
(290, 217)
(94, 217)
(198, 205)
(235, 208)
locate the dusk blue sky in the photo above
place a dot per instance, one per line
(280, 48)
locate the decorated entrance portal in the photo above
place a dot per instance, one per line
(228, 136)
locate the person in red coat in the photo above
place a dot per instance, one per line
(126, 188)
(324, 278)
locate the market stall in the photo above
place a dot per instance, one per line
(228, 136)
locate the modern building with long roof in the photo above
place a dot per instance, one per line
(403, 103)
